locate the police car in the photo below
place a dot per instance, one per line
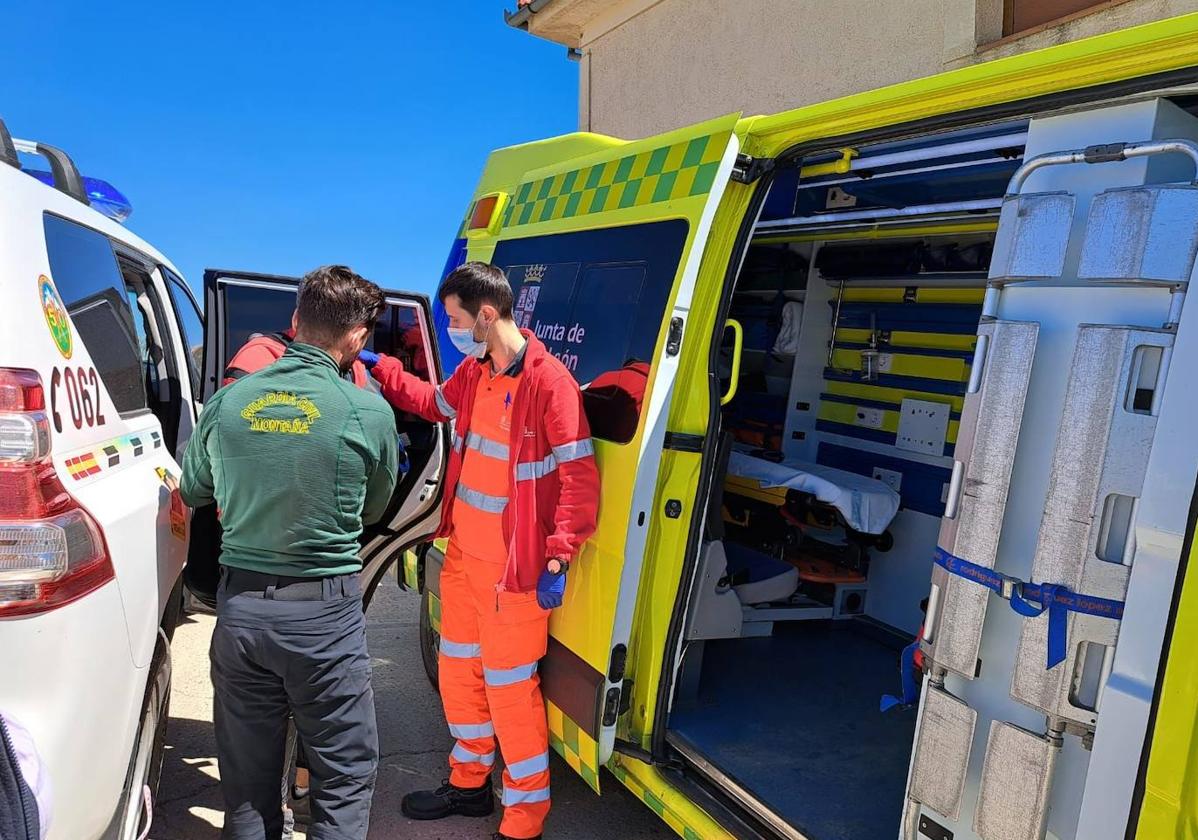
(104, 362)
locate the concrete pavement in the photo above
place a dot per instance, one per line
(413, 739)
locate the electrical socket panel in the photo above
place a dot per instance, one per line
(923, 426)
(870, 418)
(891, 478)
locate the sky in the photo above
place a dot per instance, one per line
(278, 136)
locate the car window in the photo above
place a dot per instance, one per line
(399, 334)
(191, 327)
(251, 310)
(597, 300)
(85, 273)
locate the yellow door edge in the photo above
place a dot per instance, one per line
(647, 784)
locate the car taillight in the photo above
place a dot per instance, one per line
(52, 551)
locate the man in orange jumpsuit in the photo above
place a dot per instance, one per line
(521, 497)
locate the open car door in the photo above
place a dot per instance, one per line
(241, 304)
(602, 252)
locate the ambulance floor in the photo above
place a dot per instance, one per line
(794, 719)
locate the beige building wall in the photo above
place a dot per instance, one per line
(651, 65)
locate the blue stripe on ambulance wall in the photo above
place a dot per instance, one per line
(876, 435)
(922, 484)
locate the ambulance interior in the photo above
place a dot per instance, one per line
(858, 305)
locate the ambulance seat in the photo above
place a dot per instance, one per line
(758, 578)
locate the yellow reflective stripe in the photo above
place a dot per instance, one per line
(847, 415)
(924, 294)
(905, 338)
(904, 364)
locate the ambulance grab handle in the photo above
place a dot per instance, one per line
(738, 346)
(1103, 153)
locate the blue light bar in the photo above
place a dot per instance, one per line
(103, 196)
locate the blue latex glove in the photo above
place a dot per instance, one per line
(368, 358)
(551, 589)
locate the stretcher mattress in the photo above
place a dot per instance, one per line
(866, 504)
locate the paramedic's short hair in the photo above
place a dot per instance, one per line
(476, 283)
(334, 300)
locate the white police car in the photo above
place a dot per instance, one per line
(101, 380)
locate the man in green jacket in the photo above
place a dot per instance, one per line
(297, 460)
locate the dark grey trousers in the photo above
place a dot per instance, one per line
(271, 653)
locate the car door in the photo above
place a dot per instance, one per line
(602, 251)
(241, 304)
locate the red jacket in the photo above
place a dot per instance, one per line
(264, 349)
(553, 486)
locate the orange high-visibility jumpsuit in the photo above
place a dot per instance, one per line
(491, 641)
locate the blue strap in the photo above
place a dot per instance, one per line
(910, 686)
(1031, 600)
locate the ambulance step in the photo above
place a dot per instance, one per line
(1016, 779)
(940, 762)
(1087, 531)
(986, 441)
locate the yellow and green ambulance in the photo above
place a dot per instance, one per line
(893, 399)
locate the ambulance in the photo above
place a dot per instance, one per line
(893, 399)
(105, 360)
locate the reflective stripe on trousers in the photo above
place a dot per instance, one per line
(501, 685)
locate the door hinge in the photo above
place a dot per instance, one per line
(683, 442)
(644, 756)
(748, 168)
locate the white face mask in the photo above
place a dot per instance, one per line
(463, 339)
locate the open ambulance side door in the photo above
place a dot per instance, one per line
(241, 304)
(602, 250)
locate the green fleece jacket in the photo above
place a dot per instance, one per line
(297, 461)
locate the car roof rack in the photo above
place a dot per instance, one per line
(8, 152)
(66, 175)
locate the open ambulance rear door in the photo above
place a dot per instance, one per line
(602, 249)
(241, 304)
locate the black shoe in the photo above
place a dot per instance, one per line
(447, 800)
(500, 836)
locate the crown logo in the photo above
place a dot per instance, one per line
(534, 273)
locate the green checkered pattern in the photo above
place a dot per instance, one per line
(671, 817)
(636, 180)
(579, 749)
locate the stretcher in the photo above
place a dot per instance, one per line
(863, 505)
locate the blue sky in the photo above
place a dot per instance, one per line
(276, 136)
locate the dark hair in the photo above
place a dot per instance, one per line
(334, 300)
(476, 283)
